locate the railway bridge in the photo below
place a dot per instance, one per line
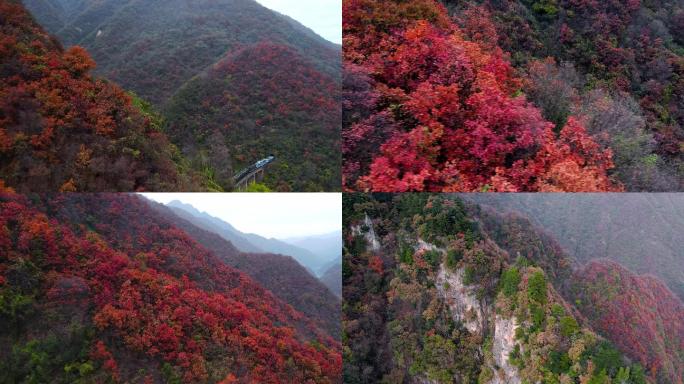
(251, 174)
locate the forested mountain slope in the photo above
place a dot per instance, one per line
(619, 64)
(263, 99)
(608, 71)
(280, 274)
(643, 232)
(97, 288)
(439, 292)
(235, 81)
(429, 106)
(154, 46)
(639, 313)
(635, 311)
(63, 129)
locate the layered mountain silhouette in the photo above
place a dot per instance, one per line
(332, 278)
(249, 242)
(328, 246)
(235, 81)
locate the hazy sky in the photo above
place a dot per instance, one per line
(278, 215)
(323, 16)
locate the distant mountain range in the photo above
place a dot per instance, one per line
(315, 253)
(332, 278)
(328, 246)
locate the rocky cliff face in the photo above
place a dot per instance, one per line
(366, 229)
(462, 301)
(502, 346)
(466, 308)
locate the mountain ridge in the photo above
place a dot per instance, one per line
(168, 52)
(111, 291)
(280, 274)
(251, 242)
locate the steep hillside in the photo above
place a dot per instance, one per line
(332, 278)
(258, 100)
(281, 275)
(430, 297)
(643, 232)
(96, 288)
(248, 242)
(620, 64)
(62, 129)
(235, 81)
(616, 301)
(153, 47)
(636, 312)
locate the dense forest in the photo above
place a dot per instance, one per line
(226, 82)
(442, 290)
(263, 97)
(524, 95)
(590, 226)
(106, 288)
(63, 129)
(281, 274)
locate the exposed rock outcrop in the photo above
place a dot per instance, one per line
(464, 304)
(366, 229)
(503, 344)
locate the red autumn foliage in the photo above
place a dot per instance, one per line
(100, 353)
(629, 47)
(62, 129)
(455, 121)
(260, 99)
(150, 290)
(375, 263)
(638, 313)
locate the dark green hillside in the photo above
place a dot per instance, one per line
(154, 46)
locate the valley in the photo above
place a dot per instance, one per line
(222, 84)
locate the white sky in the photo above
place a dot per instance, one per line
(323, 16)
(278, 215)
